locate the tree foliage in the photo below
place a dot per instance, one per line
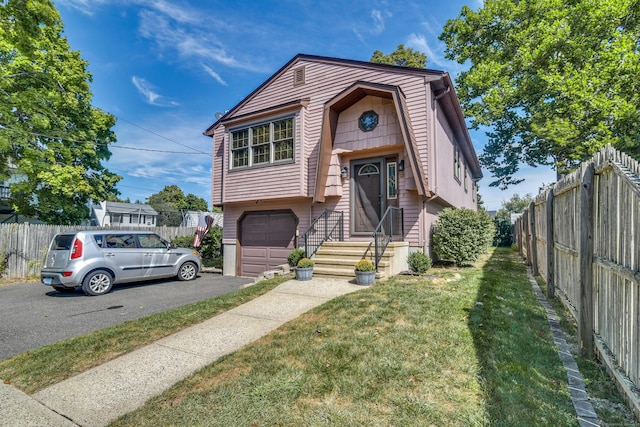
(516, 204)
(556, 80)
(462, 235)
(406, 57)
(171, 202)
(52, 141)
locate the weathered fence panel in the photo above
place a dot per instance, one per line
(594, 225)
(23, 246)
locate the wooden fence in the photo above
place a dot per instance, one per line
(24, 246)
(592, 219)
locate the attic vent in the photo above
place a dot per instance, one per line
(298, 76)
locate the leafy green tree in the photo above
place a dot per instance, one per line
(170, 202)
(406, 57)
(555, 80)
(516, 204)
(51, 138)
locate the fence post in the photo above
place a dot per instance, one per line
(550, 246)
(585, 323)
(534, 242)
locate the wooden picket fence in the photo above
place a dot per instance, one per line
(592, 219)
(24, 246)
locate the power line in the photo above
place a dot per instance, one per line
(41, 135)
(161, 136)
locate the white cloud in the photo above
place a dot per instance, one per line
(148, 91)
(378, 21)
(213, 74)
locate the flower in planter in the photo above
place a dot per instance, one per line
(365, 265)
(294, 256)
(305, 263)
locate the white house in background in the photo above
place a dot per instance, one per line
(190, 218)
(123, 214)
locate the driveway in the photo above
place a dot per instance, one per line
(33, 315)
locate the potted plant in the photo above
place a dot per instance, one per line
(304, 269)
(365, 272)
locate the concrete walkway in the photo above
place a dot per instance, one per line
(104, 393)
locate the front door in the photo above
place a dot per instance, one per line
(368, 195)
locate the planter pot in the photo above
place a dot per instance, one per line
(365, 278)
(304, 273)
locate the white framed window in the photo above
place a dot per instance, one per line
(262, 144)
(466, 185)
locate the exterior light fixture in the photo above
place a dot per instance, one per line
(401, 165)
(345, 172)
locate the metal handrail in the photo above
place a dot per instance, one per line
(328, 226)
(391, 224)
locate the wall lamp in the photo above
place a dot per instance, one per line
(345, 172)
(401, 165)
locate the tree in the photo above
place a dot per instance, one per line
(170, 202)
(402, 56)
(52, 141)
(516, 204)
(555, 80)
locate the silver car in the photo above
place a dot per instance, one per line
(98, 259)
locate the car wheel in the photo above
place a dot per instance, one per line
(97, 283)
(188, 271)
(64, 289)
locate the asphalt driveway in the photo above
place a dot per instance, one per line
(33, 315)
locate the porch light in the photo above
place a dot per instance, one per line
(345, 172)
(401, 165)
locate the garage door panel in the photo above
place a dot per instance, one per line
(266, 238)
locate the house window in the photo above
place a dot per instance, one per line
(116, 218)
(466, 186)
(456, 164)
(392, 181)
(262, 144)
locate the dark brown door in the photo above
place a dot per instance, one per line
(266, 238)
(368, 198)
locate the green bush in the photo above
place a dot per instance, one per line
(211, 247)
(305, 263)
(419, 262)
(365, 265)
(462, 235)
(504, 233)
(294, 256)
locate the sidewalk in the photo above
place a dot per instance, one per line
(104, 393)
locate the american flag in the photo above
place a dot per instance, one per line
(204, 223)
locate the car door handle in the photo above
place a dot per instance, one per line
(110, 254)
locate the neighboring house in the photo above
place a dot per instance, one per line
(191, 218)
(123, 214)
(343, 135)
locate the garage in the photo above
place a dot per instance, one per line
(266, 238)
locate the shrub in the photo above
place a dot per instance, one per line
(294, 256)
(462, 235)
(305, 263)
(211, 247)
(365, 265)
(419, 262)
(504, 234)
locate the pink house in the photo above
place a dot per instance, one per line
(332, 149)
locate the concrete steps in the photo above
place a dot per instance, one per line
(340, 258)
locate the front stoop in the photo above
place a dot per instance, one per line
(340, 258)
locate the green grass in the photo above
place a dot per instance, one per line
(36, 369)
(458, 347)
(409, 351)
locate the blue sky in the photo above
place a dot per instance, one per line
(165, 67)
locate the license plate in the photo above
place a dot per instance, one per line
(47, 281)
